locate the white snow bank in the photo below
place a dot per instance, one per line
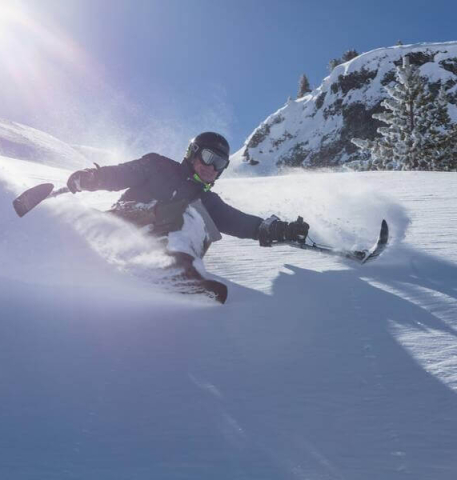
(27, 143)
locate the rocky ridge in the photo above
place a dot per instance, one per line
(315, 131)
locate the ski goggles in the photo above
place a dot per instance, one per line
(208, 157)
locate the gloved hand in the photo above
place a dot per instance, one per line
(83, 180)
(297, 230)
(274, 230)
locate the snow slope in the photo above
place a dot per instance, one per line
(27, 143)
(315, 367)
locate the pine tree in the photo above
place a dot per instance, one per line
(446, 156)
(425, 132)
(379, 154)
(349, 55)
(405, 140)
(452, 159)
(303, 86)
(431, 132)
(395, 149)
(334, 62)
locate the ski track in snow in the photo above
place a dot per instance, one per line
(315, 368)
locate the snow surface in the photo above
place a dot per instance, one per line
(22, 141)
(315, 368)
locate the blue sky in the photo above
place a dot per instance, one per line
(148, 74)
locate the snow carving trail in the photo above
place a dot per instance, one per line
(316, 367)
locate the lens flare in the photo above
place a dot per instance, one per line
(37, 57)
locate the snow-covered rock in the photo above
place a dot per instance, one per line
(316, 130)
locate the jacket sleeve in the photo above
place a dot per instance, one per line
(229, 220)
(127, 175)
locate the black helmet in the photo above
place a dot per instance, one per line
(210, 140)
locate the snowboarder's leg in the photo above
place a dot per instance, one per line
(187, 248)
(192, 238)
(187, 279)
(184, 264)
(192, 232)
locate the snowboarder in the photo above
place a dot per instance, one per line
(174, 201)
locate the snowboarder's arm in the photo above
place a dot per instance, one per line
(233, 222)
(229, 220)
(114, 177)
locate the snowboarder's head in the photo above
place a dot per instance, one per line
(208, 156)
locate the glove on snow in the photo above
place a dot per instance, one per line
(274, 230)
(83, 180)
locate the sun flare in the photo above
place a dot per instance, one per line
(36, 55)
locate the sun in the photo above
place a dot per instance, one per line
(13, 14)
(37, 56)
(9, 17)
(18, 30)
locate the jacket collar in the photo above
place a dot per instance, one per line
(193, 177)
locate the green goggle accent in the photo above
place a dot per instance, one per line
(206, 186)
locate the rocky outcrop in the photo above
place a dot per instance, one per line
(315, 131)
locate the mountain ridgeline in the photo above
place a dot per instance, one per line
(317, 130)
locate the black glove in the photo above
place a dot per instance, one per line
(297, 230)
(83, 180)
(274, 230)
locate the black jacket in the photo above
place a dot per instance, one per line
(154, 177)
